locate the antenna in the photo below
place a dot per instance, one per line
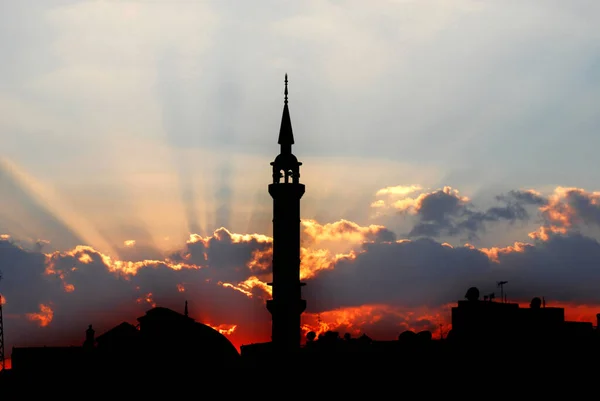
(501, 285)
(2, 361)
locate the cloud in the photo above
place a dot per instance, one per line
(360, 278)
(444, 212)
(563, 210)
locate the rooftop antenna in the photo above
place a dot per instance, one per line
(489, 297)
(2, 361)
(501, 285)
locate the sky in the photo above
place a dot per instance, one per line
(445, 144)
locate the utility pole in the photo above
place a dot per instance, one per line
(501, 285)
(2, 365)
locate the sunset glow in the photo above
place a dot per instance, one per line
(441, 149)
(203, 257)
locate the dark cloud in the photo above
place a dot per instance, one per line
(445, 212)
(565, 210)
(24, 283)
(426, 273)
(221, 256)
(83, 286)
(410, 273)
(525, 197)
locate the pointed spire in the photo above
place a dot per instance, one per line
(285, 92)
(286, 136)
(186, 309)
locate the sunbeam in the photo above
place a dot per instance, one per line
(57, 206)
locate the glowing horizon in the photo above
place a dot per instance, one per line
(441, 148)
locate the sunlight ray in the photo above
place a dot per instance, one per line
(57, 206)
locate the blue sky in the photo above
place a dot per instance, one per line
(154, 120)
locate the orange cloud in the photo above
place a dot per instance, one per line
(180, 288)
(561, 211)
(51, 270)
(313, 260)
(342, 230)
(261, 260)
(365, 319)
(220, 234)
(129, 243)
(544, 232)
(147, 298)
(494, 252)
(43, 317)
(87, 254)
(246, 287)
(225, 329)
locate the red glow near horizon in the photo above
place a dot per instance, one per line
(7, 364)
(364, 319)
(319, 253)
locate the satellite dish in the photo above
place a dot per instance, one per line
(472, 294)
(536, 303)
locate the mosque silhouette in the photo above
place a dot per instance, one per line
(168, 348)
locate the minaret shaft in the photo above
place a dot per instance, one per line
(286, 305)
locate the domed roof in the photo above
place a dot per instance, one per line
(212, 338)
(286, 160)
(183, 334)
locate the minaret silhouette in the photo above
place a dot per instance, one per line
(287, 304)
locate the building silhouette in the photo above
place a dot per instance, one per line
(286, 190)
(166, 349)
(163, 342)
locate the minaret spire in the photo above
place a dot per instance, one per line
(286, 135)
(186, 310)
(285, 92)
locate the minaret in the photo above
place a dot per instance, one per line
(287, 304)
(90, 338)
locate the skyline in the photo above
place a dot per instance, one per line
(460, 147)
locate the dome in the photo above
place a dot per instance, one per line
(287, 160)
(185, 340)
(214, 342)
(407, 335)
